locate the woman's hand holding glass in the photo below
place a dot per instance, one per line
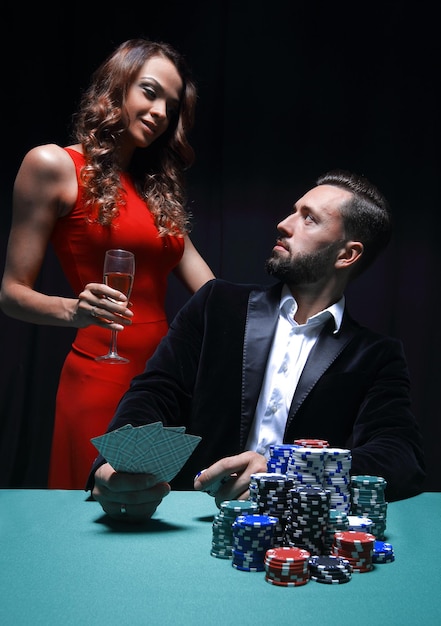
(119, 272)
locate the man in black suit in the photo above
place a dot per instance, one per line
(245, 366)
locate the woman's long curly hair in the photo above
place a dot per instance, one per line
(158, 172)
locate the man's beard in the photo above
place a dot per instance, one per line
(304, 268)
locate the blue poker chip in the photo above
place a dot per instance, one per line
(246, 568)
(256, 521)
(382, 552)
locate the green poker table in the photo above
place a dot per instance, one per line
(63, 562)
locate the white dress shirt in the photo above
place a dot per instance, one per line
(291, 346)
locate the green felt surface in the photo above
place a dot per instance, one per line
(63, 563)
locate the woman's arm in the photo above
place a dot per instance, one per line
(45, 189)
(192, 270)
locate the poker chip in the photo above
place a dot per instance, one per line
(369, 481)
(254, 521)
(282, 583)
(307, 521)
(368, 500)
(355, 546)
(337, 520)
(222, 532)
(247, 568)
(312, 443)
(252, 537)
(383, 552)
(331, 580)
(338, 462)
(314, 462)
(307, 465)
(270, 492)
(359, 522)
(330, 569)
(287, 566)
(279, 455)
(286, 554)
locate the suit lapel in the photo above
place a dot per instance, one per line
(328, 347)
(262, 314)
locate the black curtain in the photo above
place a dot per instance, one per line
(287, 90)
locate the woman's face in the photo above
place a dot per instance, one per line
(152, 101)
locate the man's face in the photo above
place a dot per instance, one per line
(310, 238)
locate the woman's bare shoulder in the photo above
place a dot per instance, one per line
(48, 160)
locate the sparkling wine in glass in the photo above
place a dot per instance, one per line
(119, 272)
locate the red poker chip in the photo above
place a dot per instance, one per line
(312, 443)
(287, 554)
(353, 537)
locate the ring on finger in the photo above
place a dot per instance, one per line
(93, 312)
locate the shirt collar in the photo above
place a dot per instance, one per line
(288, 308)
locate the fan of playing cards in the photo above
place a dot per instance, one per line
(150, 449)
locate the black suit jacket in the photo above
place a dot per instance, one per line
(207, 373)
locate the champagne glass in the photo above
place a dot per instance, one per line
(119, 272)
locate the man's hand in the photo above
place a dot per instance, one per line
(233, 474)
(128, 497)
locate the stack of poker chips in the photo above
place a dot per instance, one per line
(307, 465)
(383, 552)
(331, 570)
(270, 491)
(308, 518)
(287, 566)
(337, 479)
(279, 455)
(313, 462)
(222, 538)
(337, 520)
(315, 466)
(252, 537)
(282, 454)
(357, 547)
(368, 500)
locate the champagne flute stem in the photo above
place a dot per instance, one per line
(113, 348)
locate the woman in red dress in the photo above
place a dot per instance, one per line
(119, 185)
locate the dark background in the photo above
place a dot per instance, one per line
(287, 90)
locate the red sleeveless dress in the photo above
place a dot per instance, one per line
(89, 391)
